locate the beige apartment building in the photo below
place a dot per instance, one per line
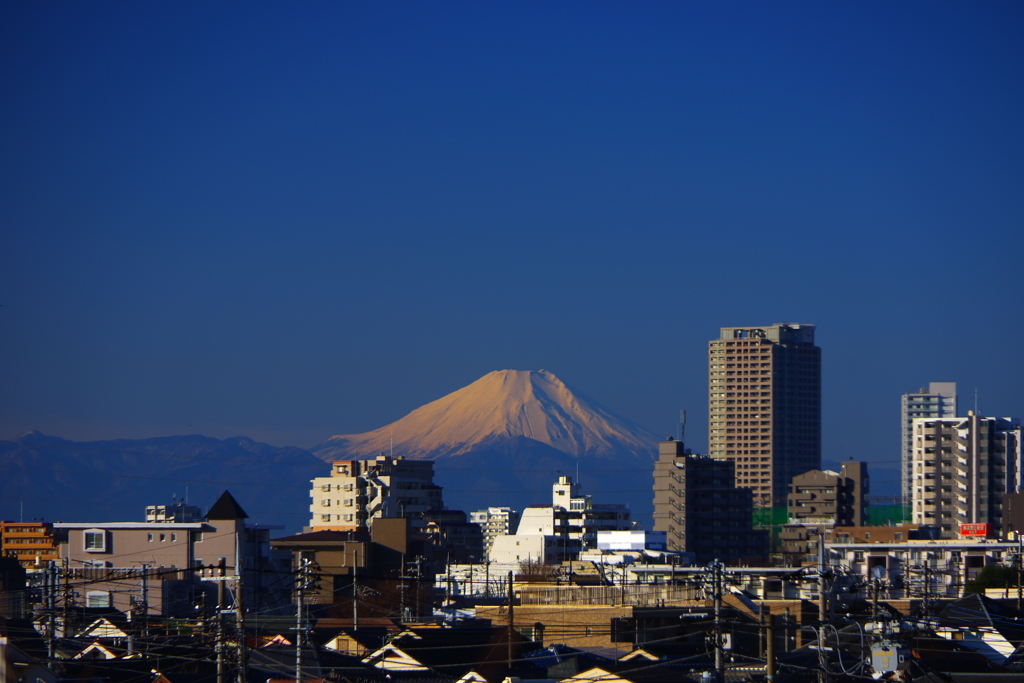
(163, 568)
(359, 491)
(962, 468)
(764, 400)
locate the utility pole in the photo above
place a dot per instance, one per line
(50, 584)
(1020, 560)
(300, 627)
(769, 674)
(220, 620)
(448, 585)
(67, 595)
(511, 617)
(240, 627)
(355, 590)
(240, 613)
(401, 588)
(822, 610)
(145, 601)
(716, 569)
(761, 631)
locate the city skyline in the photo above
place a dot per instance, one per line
(293, 224)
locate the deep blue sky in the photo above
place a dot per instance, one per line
(292, 222)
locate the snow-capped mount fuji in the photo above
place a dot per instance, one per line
(501, 405)
(505, 438)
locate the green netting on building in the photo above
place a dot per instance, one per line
(878, 515)
(888, 514)
(771, 516)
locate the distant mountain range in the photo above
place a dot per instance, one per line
(103, 481)
(505, 439)
(502, 440)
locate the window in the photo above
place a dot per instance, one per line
(348, 502)
(325, 487)
(326, 503)
(325, 518)
(95, 541)
(149, 537)
(97, 599)
(348, 518)
(174, 537)
(198, 537)
(163, 537)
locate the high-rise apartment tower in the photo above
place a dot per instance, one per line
(764, 400)
(962, 468)
(937, 401)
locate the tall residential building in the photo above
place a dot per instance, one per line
(359, 491)
(937, 401)
(701, 509)
(764, 405)
(962, 468)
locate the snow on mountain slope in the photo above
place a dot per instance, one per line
(501, 405)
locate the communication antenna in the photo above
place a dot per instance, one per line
(975, 400)
(682, 425)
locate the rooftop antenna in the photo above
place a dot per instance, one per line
(682, 426)
(975, 400)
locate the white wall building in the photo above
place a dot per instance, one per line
(962, 466)
(569, 525)
(495, 521)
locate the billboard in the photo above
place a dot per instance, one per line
(974, 530)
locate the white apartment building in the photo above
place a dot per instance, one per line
(962, 467)
(917, 568)
(585, 517)
(564, 528)
(937, 401)
(359, 491)
(495, 521)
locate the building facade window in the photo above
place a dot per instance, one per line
(97, 599)
(95, 541)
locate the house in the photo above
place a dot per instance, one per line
(166, 568)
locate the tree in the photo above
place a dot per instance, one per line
(992, 576)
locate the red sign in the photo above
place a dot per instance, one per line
(974, 530)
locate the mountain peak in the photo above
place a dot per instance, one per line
(502, 404)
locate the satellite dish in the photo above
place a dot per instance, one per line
(878, 572)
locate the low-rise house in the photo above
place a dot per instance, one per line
(984, 625)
